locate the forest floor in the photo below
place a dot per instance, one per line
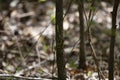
(27, 41)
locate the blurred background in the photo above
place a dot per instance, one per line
(27, 37)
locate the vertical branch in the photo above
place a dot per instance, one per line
(59, 40)
(89, 36)
(82, 59)
(69, 5)
(112, 42)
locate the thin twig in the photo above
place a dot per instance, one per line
(21, 55)
(40, 34)
(32, 67)
(13, 77)
(90, 18)
(100, 74)
(53, 65)
(69, 5)
(77, 42)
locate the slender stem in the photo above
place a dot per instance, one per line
(112, 42)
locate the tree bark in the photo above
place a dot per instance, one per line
(59, 40)
(82, 59)
(112, 42)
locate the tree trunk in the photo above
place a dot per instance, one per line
(112, 42)
(59, 40)
(82, 59)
